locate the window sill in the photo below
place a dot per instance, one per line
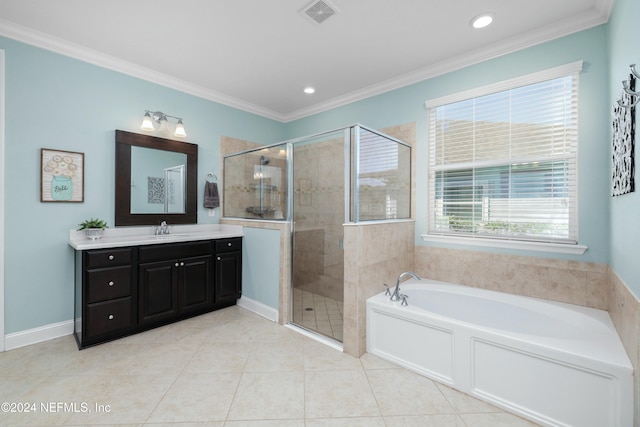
(560, 248)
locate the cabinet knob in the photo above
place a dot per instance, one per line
(176, 264)
(182, 264)
(111, 317)
(111, 283)
(229, 244)
(219, 258)
(111, 257)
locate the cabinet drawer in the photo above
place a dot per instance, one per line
(173, 250)
(229, 245)
(108, 257)
(109, 316)
(108, 283)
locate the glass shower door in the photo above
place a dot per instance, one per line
(318, 212)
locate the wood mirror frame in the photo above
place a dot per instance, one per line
(124, 142)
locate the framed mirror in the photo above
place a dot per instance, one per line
(156, 180)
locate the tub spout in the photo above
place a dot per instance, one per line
(396, 295)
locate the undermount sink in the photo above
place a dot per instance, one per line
(166, 236)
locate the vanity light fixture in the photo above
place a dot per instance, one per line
(481, 21)
(163, 123)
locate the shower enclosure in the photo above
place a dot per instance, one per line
(320, 183)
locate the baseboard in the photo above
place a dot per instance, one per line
(60, 329)
(39, 334)
(259, 308)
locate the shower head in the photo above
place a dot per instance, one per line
(264, 161)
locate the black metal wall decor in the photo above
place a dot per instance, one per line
(624, 116)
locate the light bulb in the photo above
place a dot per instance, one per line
(482, 20)
(147, 123)
(180, 132)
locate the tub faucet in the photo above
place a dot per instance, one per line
(396, 295)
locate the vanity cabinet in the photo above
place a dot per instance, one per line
(122, 291)
(173, 279)
(228, 269)
(107, 298)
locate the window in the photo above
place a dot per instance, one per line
(502, 159)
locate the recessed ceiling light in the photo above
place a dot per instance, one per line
(309, 90)
(482, 20)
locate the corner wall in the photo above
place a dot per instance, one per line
(375, 253)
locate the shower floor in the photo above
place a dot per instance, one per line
(318, 313)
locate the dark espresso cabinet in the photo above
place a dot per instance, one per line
(173, 280)
(122, 291)
(228, 269)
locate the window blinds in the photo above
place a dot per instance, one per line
(502, 164)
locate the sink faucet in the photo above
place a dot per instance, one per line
(163, 228)
(396, 295)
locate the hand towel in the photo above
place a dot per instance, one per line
(211, 196)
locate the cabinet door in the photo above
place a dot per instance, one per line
(195, 281)
(158, 287)
(228, 276)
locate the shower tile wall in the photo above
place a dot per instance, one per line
(319, 215)
(242, 183)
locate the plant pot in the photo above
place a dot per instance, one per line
(93, 233)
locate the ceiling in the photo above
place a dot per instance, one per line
(258, 55)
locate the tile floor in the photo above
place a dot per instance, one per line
(318, 313)
(229, 368)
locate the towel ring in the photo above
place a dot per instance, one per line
(211, 177)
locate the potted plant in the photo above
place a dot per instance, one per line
(93, 228)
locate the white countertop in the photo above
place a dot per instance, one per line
(136, 236)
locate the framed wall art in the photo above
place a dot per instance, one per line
(61, 176)
(624, 128)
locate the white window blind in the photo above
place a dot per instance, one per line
(502, 159)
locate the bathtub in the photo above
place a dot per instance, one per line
(553, 363)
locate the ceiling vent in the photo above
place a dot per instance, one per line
(319, 11)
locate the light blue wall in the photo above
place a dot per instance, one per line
(261, 266)
(57, 102)
(624, 49)
(406, 105)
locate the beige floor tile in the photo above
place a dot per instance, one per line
(370, 361)
(400, 392)
(440, 420)
(464, 403)
(197, 397)
(220, 357)
(330, 394)
(269, 395)
(495, 420)
(265, 423)
(284, 357)
(229, 368)
(346, 422)
(118, 399)
(203, 424)
(318, 356)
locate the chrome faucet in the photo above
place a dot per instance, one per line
(163, 228)
(396, 295)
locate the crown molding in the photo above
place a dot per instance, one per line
(577, 23)
(596, 16)
(82, 53)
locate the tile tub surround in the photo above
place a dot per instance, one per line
(624, 309)
(581, 283)
(375, 253)
(229, 368)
